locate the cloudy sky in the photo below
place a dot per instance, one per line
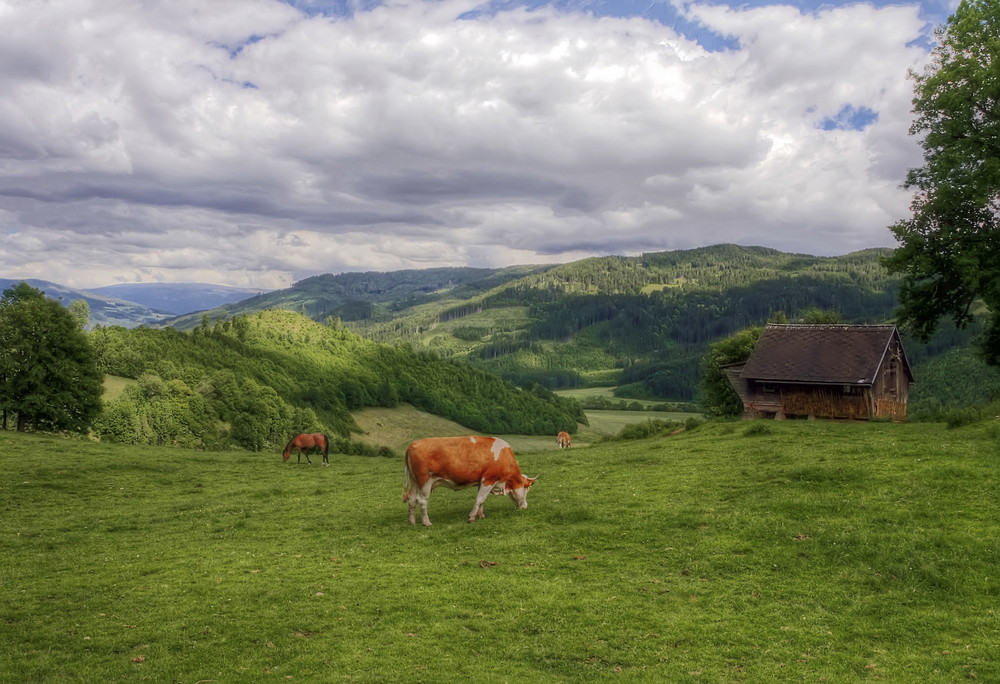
(258, 142)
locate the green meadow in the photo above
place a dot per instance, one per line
(732, 552)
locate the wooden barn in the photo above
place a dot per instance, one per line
(825, 371)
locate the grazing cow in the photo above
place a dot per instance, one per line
(459, 462)
(564, 440)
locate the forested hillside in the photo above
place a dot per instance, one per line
(254, 380)
(643, 323)
(367, 296)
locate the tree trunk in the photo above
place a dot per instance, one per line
(22, 422)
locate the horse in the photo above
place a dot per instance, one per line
(306, 442)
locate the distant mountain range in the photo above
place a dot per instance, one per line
(135, 304)
(176, 298)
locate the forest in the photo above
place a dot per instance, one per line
(253, 380)
(642, 323)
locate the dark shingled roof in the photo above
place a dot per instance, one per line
(837, 354)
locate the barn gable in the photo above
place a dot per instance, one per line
(825, 371)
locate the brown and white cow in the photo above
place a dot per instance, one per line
(459, 462)
(564, 440)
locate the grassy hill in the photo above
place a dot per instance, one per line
(807, 551)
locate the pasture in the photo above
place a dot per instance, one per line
(732, 552)
(397, 427)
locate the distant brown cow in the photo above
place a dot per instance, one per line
(459, 462)
(564, 440)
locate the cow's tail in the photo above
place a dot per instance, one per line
(407, 476)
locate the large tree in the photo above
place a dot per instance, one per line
(949, 251)
(48, 374)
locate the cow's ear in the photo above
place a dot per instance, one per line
(528, 481)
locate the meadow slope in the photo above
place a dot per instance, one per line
(732, 552)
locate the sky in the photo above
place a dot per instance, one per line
(255, 143)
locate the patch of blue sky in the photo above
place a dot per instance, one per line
(235, 50)
(333, 8)
(849, 118)
(666, 12)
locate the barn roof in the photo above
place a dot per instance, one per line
(836, 354)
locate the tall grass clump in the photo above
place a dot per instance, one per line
(654, 427)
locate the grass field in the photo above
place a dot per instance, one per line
(735, 552)
(397, 427)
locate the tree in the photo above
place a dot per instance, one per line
(718, 396)
(950, 249)
(80, 310)
(48, 373)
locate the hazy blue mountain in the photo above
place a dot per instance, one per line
(135, 304)
(104, 310)
(177, 298)
(358, 296)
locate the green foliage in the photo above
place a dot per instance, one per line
(603, 403)
(949, 254)
(816, 316)
(254, 381)
(655, 427)
(48, 376)
(79, 309)
(718, 396)
(757, 428)
(958, 379)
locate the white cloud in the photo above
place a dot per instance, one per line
(247, 143)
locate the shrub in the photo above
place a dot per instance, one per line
(757, 428)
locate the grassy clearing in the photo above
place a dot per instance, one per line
(397, 427)
(114, 386)
(810, 551)
(612, 422)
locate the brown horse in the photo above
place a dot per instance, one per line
(305, 443)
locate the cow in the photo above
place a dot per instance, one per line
(459, 462)
(564, 440)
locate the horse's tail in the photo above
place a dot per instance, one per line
(407, 476)
(326, 445)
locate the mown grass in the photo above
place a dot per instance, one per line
(815, 551)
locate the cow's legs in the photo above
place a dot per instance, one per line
(411, 500)
(420, 495)
(481, 495)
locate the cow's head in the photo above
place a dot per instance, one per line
(517, 489)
